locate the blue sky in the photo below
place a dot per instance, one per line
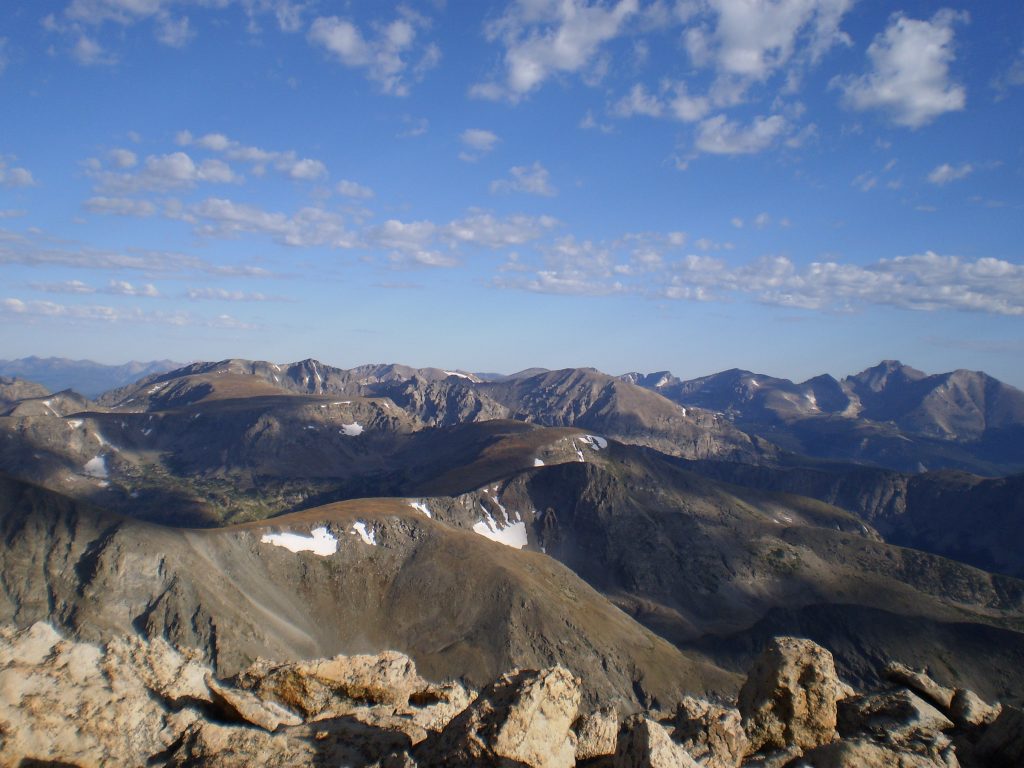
(788, 186)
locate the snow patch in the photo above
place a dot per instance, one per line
(96, 467)
(367, 535)
(579, 453)
(595, 442)
(460, 375)
(420, 506)
(538, 462)
(352, 430)
(320, 542)
(74, 423)
(512, 536)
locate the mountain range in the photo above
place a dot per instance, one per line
(483, 522)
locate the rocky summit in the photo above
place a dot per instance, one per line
(132, 702)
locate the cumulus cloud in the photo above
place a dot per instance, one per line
(486, 229)
(14, 176)
(162, 173)
(123, 158)
(410, 243)
(752, 40)
(124, 288)
(353, 189)
(923, 282)
(533, 179)
(543, 38)
(309, 226)
(639, 102)
(286, 162)
(389, 52)
(477, 143)
(909, 76)
(120, 206)
(720, 136)
(945, 173)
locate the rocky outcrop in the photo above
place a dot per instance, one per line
(643, 743)
(523, 717)
(790, 696)
(711, 734)
(132, 702)
(596, 734)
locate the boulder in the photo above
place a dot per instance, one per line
(643, 743)
(1003, 742)
(178, 678)
(57, 705)
(212, 745)
(899, 720)
(333, 686)
(895, 716)
(790, 695)
(244, 706)
(710, 734)
(525, 716)
(596, 734)
(921, 684)
(864, 753)
(968, 710)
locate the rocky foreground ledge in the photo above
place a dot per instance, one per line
(134, 703)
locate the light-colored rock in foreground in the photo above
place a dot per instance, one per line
(644, 743)
(596, 734)
(712, 735)
(524, 716)
(789, 698)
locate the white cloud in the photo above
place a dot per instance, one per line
(174, 33)
(909, 76)
(410, 243)
(15, 176)
(124, 288)
(639, 102)
(543, 38)
(922, 282)
(68, 286)
(310, 226)
(120, 206)
(30, 311)
(533, 179)
(123, 158)
(945, 173)
(485, 229)
(160, 173)
(37, 249)
(222, 294)
(89, 52)
(737, 222)
(478, 143)
(353, 189)
(286, 162)
(754, 38)
(387, 54)
(762, 220)
(721, 136)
